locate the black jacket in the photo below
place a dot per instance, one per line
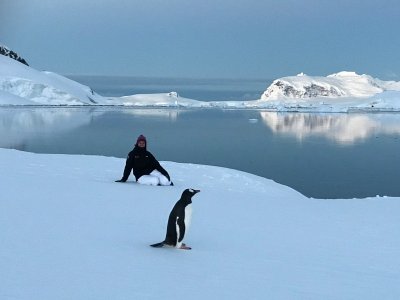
(142, 162)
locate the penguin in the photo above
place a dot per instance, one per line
(178, 221)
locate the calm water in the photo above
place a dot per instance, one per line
(198, 89)
(320, 155)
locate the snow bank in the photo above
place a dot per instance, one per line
(170, 99)
(68, 231)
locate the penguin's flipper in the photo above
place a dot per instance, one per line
(158, 245)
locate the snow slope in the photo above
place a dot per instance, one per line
(68, 231)
(42, 88)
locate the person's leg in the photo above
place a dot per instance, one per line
(148, 180)
(161, 178)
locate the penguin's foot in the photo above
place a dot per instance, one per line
(184, 247)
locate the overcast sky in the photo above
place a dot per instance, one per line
(205, 38)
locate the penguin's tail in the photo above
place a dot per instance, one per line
(158, 245)
(164, 244)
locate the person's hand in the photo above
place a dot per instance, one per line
(120, 180)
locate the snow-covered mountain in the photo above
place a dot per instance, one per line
(342, 84)
(21, 84)
(340, 92)
(7, 52)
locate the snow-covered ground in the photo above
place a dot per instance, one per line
(340, 92)
(68, 231)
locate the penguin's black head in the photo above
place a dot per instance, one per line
(189, 193)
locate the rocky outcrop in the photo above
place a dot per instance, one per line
(7, 52)
(307, 91)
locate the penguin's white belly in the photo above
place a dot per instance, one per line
(188, 216)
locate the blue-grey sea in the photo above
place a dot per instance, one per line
(198, 89)
(320, 155)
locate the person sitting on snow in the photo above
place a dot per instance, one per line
(144, 165)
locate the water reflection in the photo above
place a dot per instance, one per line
(170, 114)
(19, 125)
(341, 128)
(22, 124)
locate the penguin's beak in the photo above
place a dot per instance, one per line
(196, 191)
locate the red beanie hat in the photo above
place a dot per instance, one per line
(141, 138)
